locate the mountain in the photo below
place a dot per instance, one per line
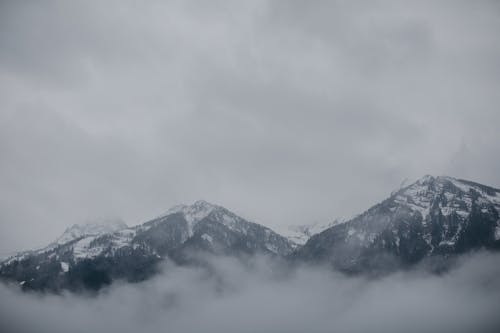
(435, 217)
(75, 232)
(432, 220)
(89, 257)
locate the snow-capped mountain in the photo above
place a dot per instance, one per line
(435, 216)
(93, 255)
(75, 232)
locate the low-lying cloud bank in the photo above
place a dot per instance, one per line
(260, 297)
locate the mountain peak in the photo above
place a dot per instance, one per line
(451, 198)
(437, 183)
(90, 229)
(429, 179)
(195, 212)
(447, 183)
(426, 179)
(202, 203)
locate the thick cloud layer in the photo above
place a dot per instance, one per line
(285, 111)
(261, 297)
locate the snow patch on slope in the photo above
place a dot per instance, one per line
(64, 266)
(83, 249)
(208, 238)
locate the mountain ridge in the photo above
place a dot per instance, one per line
(434, 217)
(91, 261)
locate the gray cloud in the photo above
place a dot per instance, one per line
(285, 111)
(259, 297)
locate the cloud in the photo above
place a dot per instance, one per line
(259, 296)
(125, 109)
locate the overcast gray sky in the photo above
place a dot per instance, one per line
(285, 112)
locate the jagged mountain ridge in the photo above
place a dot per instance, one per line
(92, 260)
(435, 216)
(75, 232)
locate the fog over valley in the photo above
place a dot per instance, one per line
(257, 296)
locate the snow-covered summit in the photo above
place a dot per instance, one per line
(90, 229)
(195, 212)
(85, 232)
(455, 195)
(202, 209)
